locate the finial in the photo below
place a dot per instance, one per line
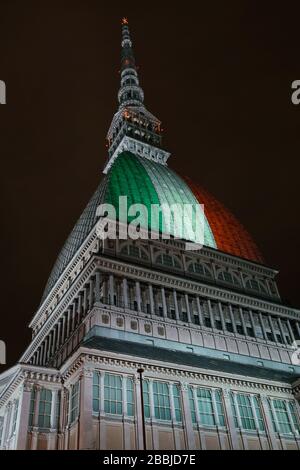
(124, 20)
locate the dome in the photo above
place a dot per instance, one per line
(146, 182)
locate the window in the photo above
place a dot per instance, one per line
(162, 409)
(130, 396)
(247, 412)
(31, 408)
(113, 394)
(209, 405)
(74, 402)
(285, 419)
(168, 260)
(199, 269)
(134, 251)
(45, 405)
(257, 286)
(96, 392)
(229, 278)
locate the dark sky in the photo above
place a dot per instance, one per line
(219, 76)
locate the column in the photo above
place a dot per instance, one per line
(252, 323)
(176, 304)
(102, 426)
(164, 303)
(79, 308)
(84, 301)
(98, 287)
(58, 334)
(212, 320)
(230, 420)
(188, 311)
(73, 316)
(199, 311)
(290, 330)
(86, 440)
(151, 299)
(54, 340)
(281, 331)
(5, 425)
(45, 351)
(111, 289)
(63, 330)
(222, 316)
(187, 417)
(243, 321)
(68, 322)
(126, 428)
(91, 292)
(272, 328)
(263, 325)
(232, 319)
(125, 292)
(8, 419)
(138, 295)
(138, 411)
(268, 422)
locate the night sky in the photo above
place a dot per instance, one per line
(218, 74)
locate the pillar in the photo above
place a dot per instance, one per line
(86, 410)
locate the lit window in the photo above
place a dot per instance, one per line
(74, 402)
(146, 396)
(209, 405)
(285, 418)
(162, 408)
(246, 412)
(113, 394)
(45, 404)
(31, 408)
(130, 396)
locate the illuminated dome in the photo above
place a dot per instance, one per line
(146, 182)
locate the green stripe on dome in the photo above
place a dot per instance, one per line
(173, 190)
(149, 183)
(128, 177)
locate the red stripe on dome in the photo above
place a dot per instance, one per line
(230, 235)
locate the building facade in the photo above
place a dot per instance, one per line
(207, 326)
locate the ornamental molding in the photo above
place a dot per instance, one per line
(173, 372)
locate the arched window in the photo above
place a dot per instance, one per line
(134, 251)
(169, 261)
(257, 286)
(200, 269)
(229, 277)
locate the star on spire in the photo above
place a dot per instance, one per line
(124, 20)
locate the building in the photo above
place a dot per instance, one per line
(208, 327)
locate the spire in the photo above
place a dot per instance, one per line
(133, 127)
(130, 93)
